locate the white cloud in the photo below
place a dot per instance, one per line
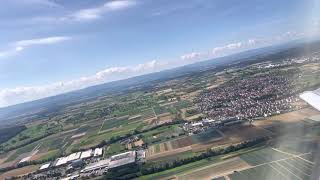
(192, 55)
(41, 41)
(87, 14)
(21, 45)
(241, 46)
(221, 50)
(252, 42)
(97, 12)
(10, 52)
(119, 4)
(24, 94)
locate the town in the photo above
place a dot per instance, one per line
(255, 97)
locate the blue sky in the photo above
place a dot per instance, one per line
(49, 47)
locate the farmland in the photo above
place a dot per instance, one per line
(154, 118)
(263, 156)
(30, 134)
(292, 157)
(19, 171)
(218, 163)
(215, 169)
(259, 163)
(183, 143)
(291, 167)
(162, 134)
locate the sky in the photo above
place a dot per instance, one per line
(48, 47)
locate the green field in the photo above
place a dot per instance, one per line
(171, 158)
(205, 136)
(181, 169)
(50, 155)
(22, 150)
(147, 113)
(114, 149)
(270, 164)
(293, 168)
(30, 134)
(161, 134)
(263, 156)
(160, 109)
(114, 122)
(95, 139)
(265, 172)
(53, 143)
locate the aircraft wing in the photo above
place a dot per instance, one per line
(312, 98)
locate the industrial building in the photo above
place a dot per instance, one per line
(97, 152)
(73, 156)
(122, 159)
(44, 166)
(61, 161)
(96, 166)
(79, 155)
(113, 162)
(86, 154)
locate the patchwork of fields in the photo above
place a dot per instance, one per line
(216, 169)
(154, 117)
(271, 163)
(267, 163)
(290, 168)
(183, 143)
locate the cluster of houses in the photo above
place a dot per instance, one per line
(249, 98)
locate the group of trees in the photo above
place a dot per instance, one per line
(26, 139)
(9, 132)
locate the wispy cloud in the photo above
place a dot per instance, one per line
(89, 14)
(10, 52)
(97, 12)
(24, 94)
(18, 46)
(235, 47)
(229, 47)
(192, 55)
(41, 41)
(221, 50)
